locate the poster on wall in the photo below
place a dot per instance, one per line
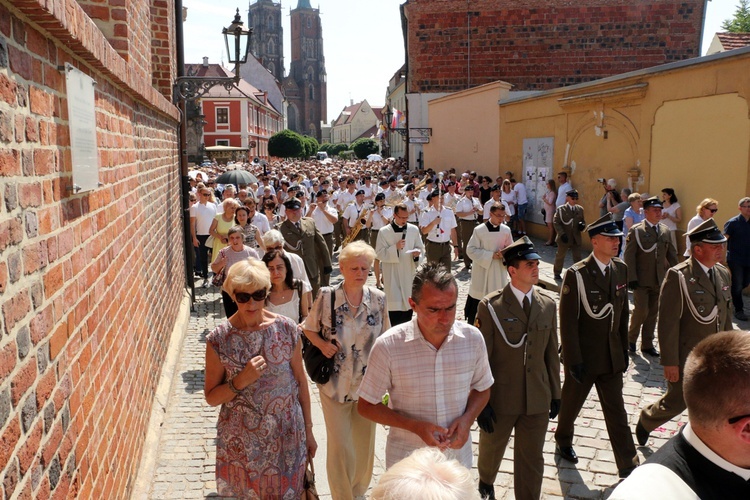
(537, 169)
(82, 124)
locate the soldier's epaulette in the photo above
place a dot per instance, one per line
(575, 267)
(682, 265)
(492, 295)
(618, 260)
(722, 266)
(547, 293)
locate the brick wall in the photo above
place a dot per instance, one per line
(542, 44)
(90, 283)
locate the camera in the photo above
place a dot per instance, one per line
(602, 181)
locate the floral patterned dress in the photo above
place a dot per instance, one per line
(261, 441)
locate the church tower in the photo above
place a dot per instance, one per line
(267, 41)
(305, 87)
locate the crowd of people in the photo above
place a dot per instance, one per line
(427, 376)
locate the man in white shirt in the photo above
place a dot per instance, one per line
(710, 457)
(565, 186)
(435, 370)
(201, 216)
(439, 225)
(495, 198)
(325, 216)
(467, 209)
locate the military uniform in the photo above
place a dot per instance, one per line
(526, 367)
(648, 254)
(568, 220)
(593, 332)
(307, 242)
(691, 308)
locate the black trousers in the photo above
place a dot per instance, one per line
(230, 307)
(398, 317)
(470, 309)
(202, 263)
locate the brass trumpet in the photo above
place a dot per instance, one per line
(356, 229)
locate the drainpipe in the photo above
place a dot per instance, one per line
(184, 183)
(468, 46)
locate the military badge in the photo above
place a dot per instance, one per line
(565, 289)
(725, 288)
(621, 286)
(692, 280)
(477, 323)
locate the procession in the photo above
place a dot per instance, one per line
(522, 359)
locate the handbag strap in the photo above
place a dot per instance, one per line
(333, 311)
(311, 463)
(298, 287)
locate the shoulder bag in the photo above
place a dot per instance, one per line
(311, 492)
(218, 278)
(318, 366)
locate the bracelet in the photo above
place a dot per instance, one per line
(230, 383)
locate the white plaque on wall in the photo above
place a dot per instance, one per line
(537, 169)
(82, 124)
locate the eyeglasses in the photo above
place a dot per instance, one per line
(277, 247)
(257, 296)
(205, 194)
(734, 420)
(744, 206)
(713, 210)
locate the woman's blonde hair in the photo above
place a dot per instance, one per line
(355, 250)
(230, 201)
(705, 204)
(249, 275)
(426, 474)
(634, 197)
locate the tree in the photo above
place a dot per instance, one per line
(741, 21)
(326, 147)
(336, 149)
(286, 144)
(311, 146)
(363, 147)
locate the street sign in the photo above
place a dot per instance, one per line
(419, 140)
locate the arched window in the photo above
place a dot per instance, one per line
(270, 22)
(311, 92)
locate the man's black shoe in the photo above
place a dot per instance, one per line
(641, 434)
(568, 453)
(651, 352)
(558, 277)
(740, 315)
(486, 491)
(631, 346)
(623, 473)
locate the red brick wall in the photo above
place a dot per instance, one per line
(542, 44)
(90, 283)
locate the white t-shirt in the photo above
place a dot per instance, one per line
(521, 197)
(204, 216)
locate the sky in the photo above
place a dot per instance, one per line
(362, 40)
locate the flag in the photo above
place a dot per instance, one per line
(396, 118)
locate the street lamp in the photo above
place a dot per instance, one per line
(190, 88)
(237, 40)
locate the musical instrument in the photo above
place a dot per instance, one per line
(421, 184)
(356, 229)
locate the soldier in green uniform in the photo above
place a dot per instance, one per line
(519, 325)
(648, 254)
(695, 302)
(593, 332)
(568, 222)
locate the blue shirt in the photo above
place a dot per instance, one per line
(737, 230)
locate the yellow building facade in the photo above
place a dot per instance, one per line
(684, 125)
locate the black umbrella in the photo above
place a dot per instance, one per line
(236, 177)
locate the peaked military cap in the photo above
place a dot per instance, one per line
(604, 226)
(654, 201)
(707, 232)
(522, 249)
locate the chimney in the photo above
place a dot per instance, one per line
(205, 62)
(351, 102)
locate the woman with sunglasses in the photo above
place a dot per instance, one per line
(361, 316)
(254, 371)
(221, 225)
(286, 297)
(235, 252)
(704, 211)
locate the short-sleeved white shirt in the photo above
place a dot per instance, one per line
(204, 216)
(441, 233)
(426, 383)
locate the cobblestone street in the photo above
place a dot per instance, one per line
(184, 467)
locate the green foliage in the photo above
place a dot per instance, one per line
(740, 23)
(286, 144)
(326, 147)
(336, 149)
(311, 146)
(363, 147)
(346, 155)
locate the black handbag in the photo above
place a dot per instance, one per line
(318, 366)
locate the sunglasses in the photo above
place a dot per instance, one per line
(713, 210)
(244, 298)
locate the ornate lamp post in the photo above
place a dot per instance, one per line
(190, 88)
